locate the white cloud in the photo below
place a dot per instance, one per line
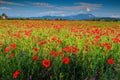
(88, 9)
(115, 16)
(58, 13)
(81, 5)
(5, 8)
(43, 4)
(78, 6)
(10, 3)
(40, 4)
(51, 13)
(89, 5)
(69, 7)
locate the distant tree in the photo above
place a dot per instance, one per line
(0, 17)
(4, 16)
(116, 20)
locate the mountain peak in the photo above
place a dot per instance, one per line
(72, 17)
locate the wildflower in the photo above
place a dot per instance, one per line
(101, 45)
(65, 60)
(7, 49)
(72, 49)
(27, 33)
(110, 61)
(54, 54)
(77, 49)
(42, 42)
(0, 44)
(46, 63)
(54, 38)
(97, 37)
(116, 40)
(16, 74)
(108, 47)
(36, 49)
(19, 35)
(12, 55)
(86, 48)
(67, 49)
(21, 53)
(59, 40)
(48, 40)
(61, 53)
(13, 46)
(35, 57)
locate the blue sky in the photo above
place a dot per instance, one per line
(35, 8)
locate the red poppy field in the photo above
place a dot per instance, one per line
(59, 50)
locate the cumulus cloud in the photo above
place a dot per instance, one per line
(5, 8)
(89, 5)
(10, 3)
(115, 16)
(75, 9)
(81, 5)
(43, 4)
(76, 6)
(56, 10)
(51, 13)
(40, 4)
(88, 9)
(58, 13)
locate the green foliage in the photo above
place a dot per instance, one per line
(84, 64)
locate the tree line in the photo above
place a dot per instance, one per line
(5, 17)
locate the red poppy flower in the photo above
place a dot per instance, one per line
(18, 35)
(0, 44)
(36, 49)
(110, 61)
(116, 40)
(95, 41)
(77, 49)
(54, 54)
(16, 74)
(27, 33)
(73, 50)
(13, 46)
(67, 49)
(86, 48)
(48, 40)
(54, 38)
(97, 37)
(59, 40)
(35, 57)
(101, 45)
(66, 60)
(108, 47)
(7, 49)
(12, 55)
(46, 63)
(42, 42)
(61, 53)
(106, 44)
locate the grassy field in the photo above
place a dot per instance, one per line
(59, 50)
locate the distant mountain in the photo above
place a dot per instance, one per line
(72, 17)
(80, 17)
